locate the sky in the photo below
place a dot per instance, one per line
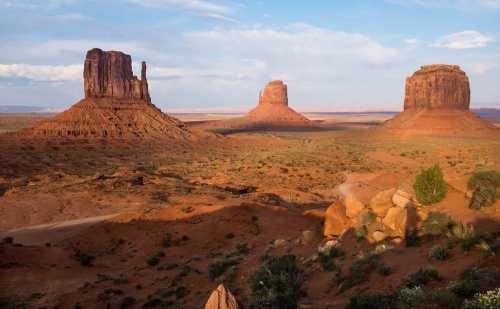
(216, 55)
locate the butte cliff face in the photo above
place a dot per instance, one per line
(273, 109)
(437, 101)
(438, 87)
(116, 105)
(109, 74)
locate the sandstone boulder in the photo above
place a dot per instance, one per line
(336, 221)
(381, 202)
(221, 298)
(402, 198)
(379, 236)
(400, 220)
(438, 87)
(353, 207)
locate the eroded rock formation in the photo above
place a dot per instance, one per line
(116, 105)
(109, 74)
(273, 109)
(438, 86)
(437, 101)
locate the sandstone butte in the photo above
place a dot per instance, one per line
(273, 109)
(116, 105)
(437, 100)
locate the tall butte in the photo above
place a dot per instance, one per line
(116, 105)
(273, 109)
(437, 101)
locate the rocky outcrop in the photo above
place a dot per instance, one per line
(273, 109)
(438, 86)
(109, 74)
(116, 105)
(221, 298)
(275, 92)
(437, 101)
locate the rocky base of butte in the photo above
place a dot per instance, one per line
(116, 105)
(437, 101)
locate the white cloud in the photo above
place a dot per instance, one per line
(464, 40)
(191, 5)
(455, 4)
(411, 41)
(35, 4)
(51, 73)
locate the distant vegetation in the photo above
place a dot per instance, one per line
(430, 186)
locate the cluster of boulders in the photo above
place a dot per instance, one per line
(390, 214)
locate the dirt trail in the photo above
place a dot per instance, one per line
(53, 232)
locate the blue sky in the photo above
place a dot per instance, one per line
(210, 55)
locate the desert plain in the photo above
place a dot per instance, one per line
(139, 209)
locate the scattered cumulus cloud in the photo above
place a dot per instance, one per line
(464, 40)
(42, 73)
(455, 4)
(191, 5)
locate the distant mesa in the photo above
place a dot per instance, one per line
(437, 101)
(116, 105)
(273, 109)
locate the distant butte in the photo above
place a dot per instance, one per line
(273, 109)
(116, 105)
(437, 101)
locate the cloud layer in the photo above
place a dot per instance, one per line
(464, 40)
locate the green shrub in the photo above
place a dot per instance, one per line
(485, 186)
(466, 234)
(422, 277)
(384, 270)
(430, 186)
(437, 224)
(277, 284)
(229, 236)
(438, 253)
(218, 268)
(153, 261)
(411, 297)
(360, 271)
(412, 239)
(372, 301)
(368, 217)
(486, 300)
(167, 240)
(474, 281)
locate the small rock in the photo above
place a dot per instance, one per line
(327, 246)
(397, 241)
(315, 213)
(381, 202)
(379, 236)
(353, 207)
(278, 243)
(307, 237)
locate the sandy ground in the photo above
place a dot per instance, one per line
(116, 203)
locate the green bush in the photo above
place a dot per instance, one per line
(422, 277)
(466, 234)
(486, 300)
(412, 297)
(437, 224)
(218, 268)
(485, 186)
(153, 261)
(277, 284)
(438, 253)
(430, 186)
(372, 301)
(360, 271)
(474, 281)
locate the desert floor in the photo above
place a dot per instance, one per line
(258, 190)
